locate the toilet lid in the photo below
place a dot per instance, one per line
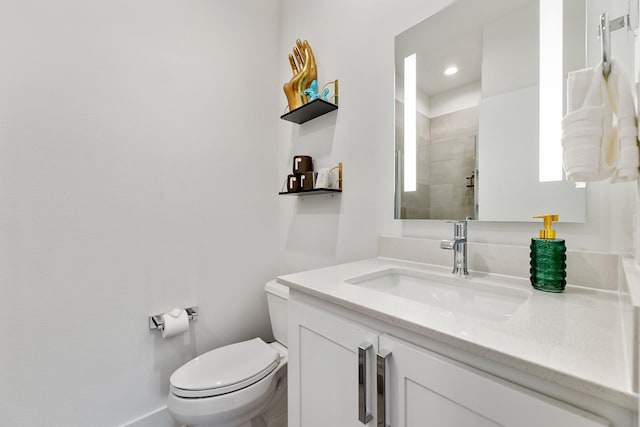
(225, 369)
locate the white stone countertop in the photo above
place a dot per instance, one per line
(574, 338)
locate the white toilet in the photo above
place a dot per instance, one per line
(239, 385)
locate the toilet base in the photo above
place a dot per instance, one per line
(261, 405)
(274, 416)
(276, 413)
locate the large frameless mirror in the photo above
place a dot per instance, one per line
(479, 101)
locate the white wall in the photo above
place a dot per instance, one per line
(354, 42)
(457, 99)
(510, 45)
(137, 173)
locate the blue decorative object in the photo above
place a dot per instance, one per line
(325, 94)
(313, 92)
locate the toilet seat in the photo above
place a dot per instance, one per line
(225, 369)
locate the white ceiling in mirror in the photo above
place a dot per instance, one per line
(477, 143)
(455, 37)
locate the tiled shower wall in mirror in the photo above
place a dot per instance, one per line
(446, 159)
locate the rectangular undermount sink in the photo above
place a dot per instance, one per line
(468, 296)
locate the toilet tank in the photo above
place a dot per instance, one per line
(277, 296)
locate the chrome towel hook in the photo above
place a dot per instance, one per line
(604, 29)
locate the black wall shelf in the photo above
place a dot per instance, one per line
(311, 192)
(311, 110)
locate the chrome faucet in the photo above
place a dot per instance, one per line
(459, 247)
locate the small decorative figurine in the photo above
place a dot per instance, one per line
(303, 67)
(313, 92)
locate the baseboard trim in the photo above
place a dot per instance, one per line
(158, 418)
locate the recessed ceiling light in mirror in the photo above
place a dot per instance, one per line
(450, 71)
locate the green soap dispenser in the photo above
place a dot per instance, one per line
(548, 256)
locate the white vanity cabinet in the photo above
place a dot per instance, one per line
(426, 389)
(421, 388)
(325, 355)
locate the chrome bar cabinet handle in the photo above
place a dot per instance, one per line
(381, 369)
(363, 415)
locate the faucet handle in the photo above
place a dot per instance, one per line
(459, 228)
(446, 244)
(459, 221)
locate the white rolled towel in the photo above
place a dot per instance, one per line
(584, 117)
(624, 154)
(582, 154)
(587, 130)
(627, 156)
(577, 86)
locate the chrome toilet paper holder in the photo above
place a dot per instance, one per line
(155, 322)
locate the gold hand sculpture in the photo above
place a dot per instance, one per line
(303, 67)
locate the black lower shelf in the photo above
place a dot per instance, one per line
(310, 192)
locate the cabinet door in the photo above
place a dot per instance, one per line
(324, 381)
(425, 389)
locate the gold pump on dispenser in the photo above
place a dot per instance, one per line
(548, 257)
(547, 232)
